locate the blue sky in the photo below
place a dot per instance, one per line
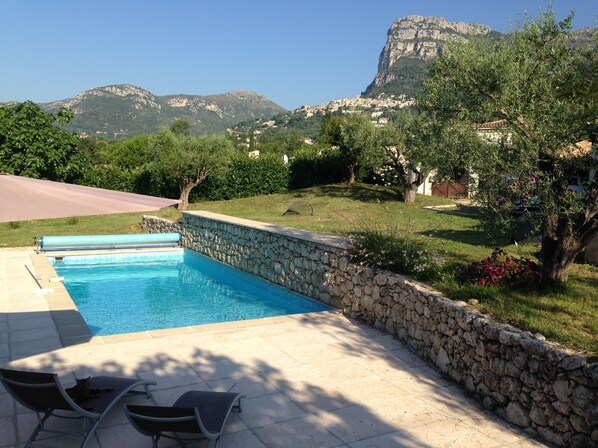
(293, 51)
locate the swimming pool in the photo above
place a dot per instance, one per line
(129, 292)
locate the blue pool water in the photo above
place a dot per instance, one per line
(124, 293)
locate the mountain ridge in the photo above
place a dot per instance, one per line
(123, 110)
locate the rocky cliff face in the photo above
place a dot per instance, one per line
(417, 38)
(423, 37)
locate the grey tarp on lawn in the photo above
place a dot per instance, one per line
(23, 199)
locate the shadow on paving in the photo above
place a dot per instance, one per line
(282, 408)
(287, 432)
(24, 334)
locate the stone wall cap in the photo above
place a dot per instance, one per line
(314, 237)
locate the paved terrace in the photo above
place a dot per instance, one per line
(316, 380)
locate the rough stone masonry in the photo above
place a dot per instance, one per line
(550, 392)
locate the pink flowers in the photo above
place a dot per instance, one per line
(500, 269)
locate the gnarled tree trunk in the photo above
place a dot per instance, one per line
(187, 184)
(561, 243)
(184, 196)
(410, 189)
(352, 167)
(411, 179)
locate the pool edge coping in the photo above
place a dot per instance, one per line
(73, 330)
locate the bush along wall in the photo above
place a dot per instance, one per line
(309, 168)
(245, 177)
(550, 392)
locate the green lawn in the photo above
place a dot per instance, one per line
(569, 316)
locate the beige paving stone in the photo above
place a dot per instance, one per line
(126, 436)
(368, 388)
(26, 422)
(234, 424)
(243, 348)
(74, 331)
(67, 317)
(176, 375)
(354, 423)
(8, 437)
(314, 398)
(250, 323)
(34, 333)
(144, 361)
(6, 404)
(442, 434)
(77, 340)
(251, 386)
(242, 439)
(267, 409)
(210, 327)
(34, 346)
(269, 366)
(396, 439)
(305, 432)
(490, 425)
(16, 323)
(278, 328)
(52, 362)
(315, 353)
(219, 369)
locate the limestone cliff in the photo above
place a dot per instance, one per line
(412, 42)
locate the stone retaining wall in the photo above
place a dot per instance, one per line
(154, 224)
(298, 260)
(550, 392)
(534, 384)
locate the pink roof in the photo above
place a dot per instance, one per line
(23, 199)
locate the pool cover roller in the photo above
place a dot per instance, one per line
(94, 242)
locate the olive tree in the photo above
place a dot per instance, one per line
(189, 159)
(359, 144)
(543, 91)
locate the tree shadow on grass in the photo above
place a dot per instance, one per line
(361, 192)
(473, 237)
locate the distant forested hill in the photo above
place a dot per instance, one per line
(123, 110)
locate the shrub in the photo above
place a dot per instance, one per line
(395, 250)
(246, 177)
(317, 166)
(500, 269)
(110, 177)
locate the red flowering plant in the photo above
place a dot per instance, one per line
(500, 269)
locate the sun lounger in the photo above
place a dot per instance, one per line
(195, 412)
(44, 394)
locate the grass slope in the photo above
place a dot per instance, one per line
(569, 316)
